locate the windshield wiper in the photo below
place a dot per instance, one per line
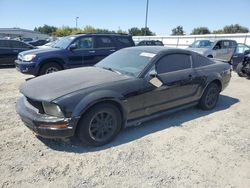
(110, 69)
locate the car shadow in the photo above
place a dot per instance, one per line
(134, 133)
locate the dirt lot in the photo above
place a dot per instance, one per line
(191, 148)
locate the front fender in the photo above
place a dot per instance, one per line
(96, 97)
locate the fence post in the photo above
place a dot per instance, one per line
(177, 42)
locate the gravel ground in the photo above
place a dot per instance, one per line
(191, 148)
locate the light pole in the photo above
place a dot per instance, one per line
(77, 21)
(146, 21)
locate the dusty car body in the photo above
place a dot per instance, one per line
(219, 49)
(127, 88)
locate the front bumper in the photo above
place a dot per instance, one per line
(26, 67)
(43, 124)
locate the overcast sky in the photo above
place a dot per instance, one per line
(164, 15)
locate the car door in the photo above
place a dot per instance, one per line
(219, 51)
(6, 53)
(179, 87)
(83, 53)
(239, 54)
(104, 46)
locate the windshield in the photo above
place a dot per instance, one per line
(63, 42)
(202, 44)
(127, 61)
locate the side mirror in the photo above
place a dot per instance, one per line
(152, 73)
(247, 52)
(216, 47)
(72, 47)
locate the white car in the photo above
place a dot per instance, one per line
(219, 49)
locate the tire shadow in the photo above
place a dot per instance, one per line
(134, 133)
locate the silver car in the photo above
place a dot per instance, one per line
(219, 49)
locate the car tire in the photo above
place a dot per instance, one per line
(210, 97)
(100, 125)
(49, 68)
(239, 69)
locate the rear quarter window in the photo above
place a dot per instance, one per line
(4, 44)
(201, 61)
(124, 41)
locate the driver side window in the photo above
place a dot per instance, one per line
(84, 43)
(173, 62)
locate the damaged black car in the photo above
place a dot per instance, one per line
(129, 87)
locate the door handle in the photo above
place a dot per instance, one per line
(235, 56)
(92, 51)
(15, 50)
(112, 50)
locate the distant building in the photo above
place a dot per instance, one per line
(23, 33)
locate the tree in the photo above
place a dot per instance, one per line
(200, 31)
(46, 29)
(63, 31)
(89, 29)
(178, 31)
(235, 28)
(135, 31)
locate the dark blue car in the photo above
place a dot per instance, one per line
(239, 54)
(71, 52)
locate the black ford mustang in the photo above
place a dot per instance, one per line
(128, 87)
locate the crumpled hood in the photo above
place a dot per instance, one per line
(199, 50)
(52, 86)
(40, 51)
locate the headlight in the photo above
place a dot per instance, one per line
(29, 57)
(52, 109)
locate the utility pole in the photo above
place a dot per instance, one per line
(146, 20)
(77, 22)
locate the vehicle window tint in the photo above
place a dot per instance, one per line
(201, 61)
(104, 42)
(4, 44)
(226, 44)
(84, 43)
(218, 45)
(173, 62)
(17, 44)
(241, 48)
(124, 41)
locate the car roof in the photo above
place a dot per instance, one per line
(157, 49)
(100, 34)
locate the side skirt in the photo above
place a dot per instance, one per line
(139, 121)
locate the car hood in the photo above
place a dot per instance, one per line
(40, 51)
(52, 86)
(199, 50)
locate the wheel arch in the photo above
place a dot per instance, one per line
(57, 60)
(100, 97)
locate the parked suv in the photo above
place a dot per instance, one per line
(9, 50)
(71, 52)
(219, 49)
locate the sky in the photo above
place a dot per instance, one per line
(164, 15)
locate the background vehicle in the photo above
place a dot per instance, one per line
(9, 50)
(243, 68)
(219, 49)
(71, 52)
(38, 42)
(150, 43)
(239, 54)
(133, 85)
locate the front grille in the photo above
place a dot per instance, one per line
(38, 105)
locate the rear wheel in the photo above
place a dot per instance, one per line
(239, 69)
(99, 125)
(210, 97)
(50, 68)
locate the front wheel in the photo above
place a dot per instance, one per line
(99, 125)
(210, 97)
(239, 69)
(50, 68)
